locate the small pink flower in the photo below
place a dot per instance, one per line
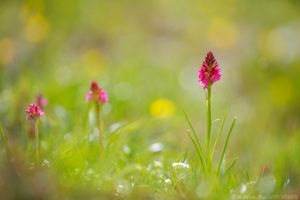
(209, 71)
(41, 101)
(97, 94)
(103, 96)
(33, 112)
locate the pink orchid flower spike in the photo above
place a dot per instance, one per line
(33, 112)
(209, 72)
(96, 93)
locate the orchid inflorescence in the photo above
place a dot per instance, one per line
(97, 94)
(34, 112)
(208, 74)
(210, 71)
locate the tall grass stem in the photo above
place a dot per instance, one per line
(99, 126)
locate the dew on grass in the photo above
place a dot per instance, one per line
(156, 147)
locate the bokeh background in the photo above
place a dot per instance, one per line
(146, 54)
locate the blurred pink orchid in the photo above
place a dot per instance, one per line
(96, 93)
(33, 112)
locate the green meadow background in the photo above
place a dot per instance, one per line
(146, 55)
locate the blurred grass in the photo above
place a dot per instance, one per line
(146, 55)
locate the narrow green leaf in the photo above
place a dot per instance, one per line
(4, 139)
(225, 145)
(218, 136)
(194, 134)
(198, 151)
(196, 142)
(230, 166)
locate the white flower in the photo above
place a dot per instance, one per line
(156, 147)
(167, 180)
(181, 164)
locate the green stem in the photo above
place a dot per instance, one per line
(36, 130)
(230, 166)
(208, 127)
(98, 121)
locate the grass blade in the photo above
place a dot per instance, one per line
(197, 141)
(194, 134)
(230, 166)
(225, 145)
(218, 136)
(198, 151)
(4, 139)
